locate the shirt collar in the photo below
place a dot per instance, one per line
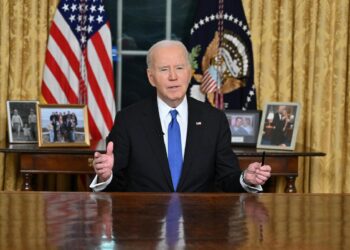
(165, 108)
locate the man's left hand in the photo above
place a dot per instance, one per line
(256, 174)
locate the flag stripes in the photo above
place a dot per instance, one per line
(79, 52)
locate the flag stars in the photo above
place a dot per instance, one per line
(89, 29)
(83, 39)
(72, 18)
(93, 8)
(218, 16)
(65, 7)
(100, 19)
(101, 9)
(91, 18)
(73, 7)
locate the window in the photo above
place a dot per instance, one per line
(135, 26)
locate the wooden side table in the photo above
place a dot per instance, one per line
(35, 160)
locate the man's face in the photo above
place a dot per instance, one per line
(281, 109)
(239, 122)
(170, 73)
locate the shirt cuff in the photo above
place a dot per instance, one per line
(249, 188)
(97, 187)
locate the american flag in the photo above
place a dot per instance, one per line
(209, 81)
(78, 65)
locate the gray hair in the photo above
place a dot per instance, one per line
(165, 43)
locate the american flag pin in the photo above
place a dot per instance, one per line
(198, 123)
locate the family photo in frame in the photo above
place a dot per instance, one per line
(22, 121)
(63, 125)
(244, 126)
(279, 126)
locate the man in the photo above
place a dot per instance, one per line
(238, 128)
(32, 124)
(149, 137)
(278, 122)
(16, 122)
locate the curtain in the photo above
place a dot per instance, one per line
(24, 27)
(301, 54)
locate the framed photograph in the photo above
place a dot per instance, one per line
(279, 126)
(244, 126)
(22, 121)
(63, 125)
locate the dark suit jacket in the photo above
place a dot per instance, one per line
(277, 135)
(141, 162)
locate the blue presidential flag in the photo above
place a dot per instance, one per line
(221, 55)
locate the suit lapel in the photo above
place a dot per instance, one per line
(154, 135)
(194, 134)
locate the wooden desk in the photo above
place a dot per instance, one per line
(42, 220)
(34, 160)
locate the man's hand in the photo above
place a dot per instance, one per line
(256, 174)
(103, 163)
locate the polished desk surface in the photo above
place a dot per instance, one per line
(44, 220)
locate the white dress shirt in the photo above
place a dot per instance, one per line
(182, 119)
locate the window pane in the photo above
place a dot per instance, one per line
(134, 80)
(183, 13)
(143, 23)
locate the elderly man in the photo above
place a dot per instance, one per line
(170, 142)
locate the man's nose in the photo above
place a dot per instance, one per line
(172, 74)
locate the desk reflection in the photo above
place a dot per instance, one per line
(40, 220)
(158, 222)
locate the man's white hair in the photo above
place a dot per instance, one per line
(165, 43)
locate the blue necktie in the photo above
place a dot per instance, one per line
(174, 149)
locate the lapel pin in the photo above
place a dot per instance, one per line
(198, 123)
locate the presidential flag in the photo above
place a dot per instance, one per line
(78, 65)
(221, 55)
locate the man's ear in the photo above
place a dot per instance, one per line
(150, 77)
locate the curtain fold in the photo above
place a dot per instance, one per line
(24, 27)
(301, 54)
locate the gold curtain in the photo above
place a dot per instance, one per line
(301, 54)
(24, 26)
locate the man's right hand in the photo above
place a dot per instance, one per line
(103, 163)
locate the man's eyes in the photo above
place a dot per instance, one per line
(167, 68)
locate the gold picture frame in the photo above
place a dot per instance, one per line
(279, 126)
(63, 125)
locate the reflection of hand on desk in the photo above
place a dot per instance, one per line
(103, 223)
